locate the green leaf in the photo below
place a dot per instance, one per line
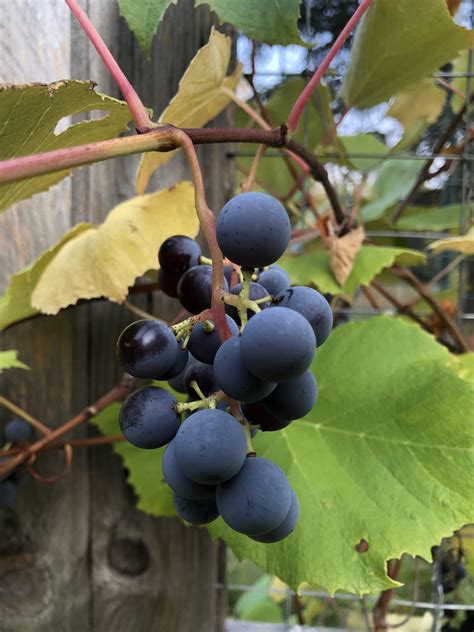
(257, 605)
(385, 455)
(92, 261)
(144, 466)
(29, 115)
(464, 364)
(15, 304)
(363, 144)
(143, 17)
(9, 360)
(315, 269)
(391, 52)
(274, 23)
(394, 180)
(460, 67)
(419, 218)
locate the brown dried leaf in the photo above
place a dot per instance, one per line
(342, 252)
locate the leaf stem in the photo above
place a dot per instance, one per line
(301, 101)
(248, 183)
(143, 123)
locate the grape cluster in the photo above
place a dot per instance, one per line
(16, 432)
(257, 378)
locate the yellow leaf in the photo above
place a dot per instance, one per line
(417, 106)
(343, 252)
(199, 98)
(105, 260)
(10, 360)
(464, 244)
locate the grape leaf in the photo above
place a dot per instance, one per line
(315, 268)
(9, 360)
(460, 83)
(199, 98)
(15, 304)
(391, 52)
(274, 23)
(91, 261)
(419, 218)
(143, 17)
(464, 364)
(384, 456)
(363, 144)
(105, 260)
(417, 107)
(463, 243)
(29, 115)
(394, 180)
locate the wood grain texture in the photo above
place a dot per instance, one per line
(82, 555)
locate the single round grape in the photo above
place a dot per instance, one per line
(278, 344)
(285, 528)
(310, 304)
(168, 282)
(257, 499)
(147, 349)
(178, 366)
(253, 230)
(204, 344)
(201, 373)
(232, 376)
(179, 253)
(17, 431)
(195, 511)
(7, 493)
(274, 279)
(195, 289)
(148, 417)
(293, 399)
(258, 415)
(180, 483)
(210, 446)
(256, 291)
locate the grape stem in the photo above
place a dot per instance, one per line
(204, 402)
(16, 410)
(245, 295)
(143, 123)
(302, 100)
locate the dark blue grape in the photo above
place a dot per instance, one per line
(204, 344)
(201, 373)
(7, 493)
(179, 365)
(180, 483)
(285, 528)
(253, 230)
(148, 417)
(256, 291)
(177, 383)
(168, 282)
(257, 499)
(147, 349)
(195, 289)
(232, 376)
(195, 511)
(278, 344)
(310, 304)
(17, 431)
(210, 447)
(179, 253)
(293, 399)
(258, 415)
(274, 279)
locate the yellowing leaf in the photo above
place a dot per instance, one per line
(342, 254)
(464, 244)
(418, 106)
(199, 98)
(105, 260)
(15, 304)
(397, 44)
(9, 360)
(29, 115)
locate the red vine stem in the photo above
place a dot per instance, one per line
(140, 115)
(302, 100)
(117, 393)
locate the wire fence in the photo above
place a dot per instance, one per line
(270, 67)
